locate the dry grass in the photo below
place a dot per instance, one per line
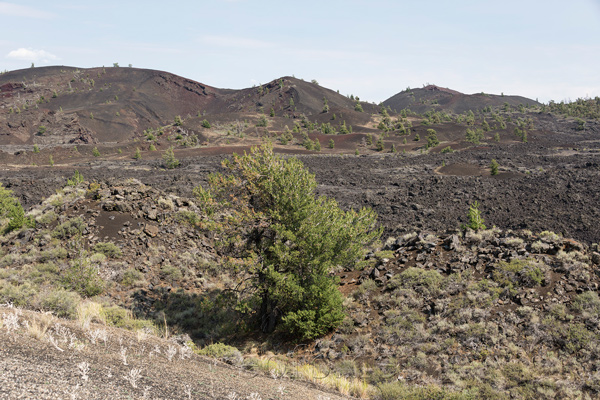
(89, 312)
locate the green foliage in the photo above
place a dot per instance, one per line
(138, 154)
(272, 113)
(82, 276)
(417, 138)
(331, 144)
(379, 146)
(432, 139)
(317, 144)
(474, 136)
(95, 152)
(131, 276)
(475, 219)
(42, 129)
(288, 239)
(369, 139)
(220, 351)
(494, 167)
(177, 121)
(12, 215)
(169, 158)
(72, 227)
(51, 160)
(358, 107)
(447, 149)
(262, 121)
(109, 249)
(206, 124)
(152, 147)
(421, 280)
(76, 179)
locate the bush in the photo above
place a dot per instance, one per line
(131, 276)
(417, 278)
(206, 124)
(294, 238)
(61, 302)
(432, 139)
(475, 219)
(11, 211)
(109, 249)
(96, 152)
(447, 149)
(169, 158)
(222, 352)
(83, 278)
(76, 179)
(494, 167)
(69, 228)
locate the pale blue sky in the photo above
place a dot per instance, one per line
(374, 49)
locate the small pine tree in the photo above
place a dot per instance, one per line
(178, 121)
(432, 139)
(417, 137)
(152, 147)
(331, 144)
(379, 145)
(494, 167)
(475, 219)
(51, 161)
(358, 107)
(206, 124)
(138, 154)
(369, 139)
(272, 113)
(36, 148)
(169, 158)
(95, 152)
(394, 148)
(317, 145)
(497, 137)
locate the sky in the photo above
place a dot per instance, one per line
(541, 49)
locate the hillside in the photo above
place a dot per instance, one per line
(437, 98)
(62, 105)
(475, 313)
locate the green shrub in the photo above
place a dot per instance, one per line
(19, 295)
(219, 350)
(494, 167)
(586, 302)
(131, 276)
(76, 179)
(447, 149)
(206, 124)
(109, 249)
(122, 318)
(53, 254)
(419, 279)
(83, 278)
(11, 211)
(475, 219)
(170, 272)
(95, 152)
(69, 228)
(61, 302)
(169, 158)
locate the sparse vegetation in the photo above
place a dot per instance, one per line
(169, 158)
